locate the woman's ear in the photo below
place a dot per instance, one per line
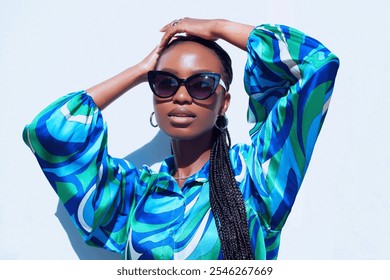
(225, 103)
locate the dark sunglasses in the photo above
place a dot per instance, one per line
(199, 86)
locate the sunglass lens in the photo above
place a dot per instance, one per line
(165, 86)
(202, 87)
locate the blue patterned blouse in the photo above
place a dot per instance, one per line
(144, 214)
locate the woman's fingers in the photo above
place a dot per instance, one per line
(189, 26)
(170, 30)
(170, 24)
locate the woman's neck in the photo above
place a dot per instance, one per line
(190, 156)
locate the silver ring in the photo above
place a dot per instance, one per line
(175, 22)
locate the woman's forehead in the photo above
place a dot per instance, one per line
(189, 55)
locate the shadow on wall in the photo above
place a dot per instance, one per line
(153, 152)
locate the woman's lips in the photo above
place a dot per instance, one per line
(181, 113)
(181, 116)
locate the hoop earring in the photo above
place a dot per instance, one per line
(222, 122)
(151, 120)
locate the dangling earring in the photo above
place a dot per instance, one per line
(151, 120)
(222, 122)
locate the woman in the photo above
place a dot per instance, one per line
(207, 201)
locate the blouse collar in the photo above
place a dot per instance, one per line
(167, 168)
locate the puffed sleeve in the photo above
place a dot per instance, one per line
(289, 77)
(69, 140)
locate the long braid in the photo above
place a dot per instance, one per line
(226, 200)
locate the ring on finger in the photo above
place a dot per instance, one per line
(175, 22)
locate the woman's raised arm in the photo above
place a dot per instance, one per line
(106, 92)
(235, 33)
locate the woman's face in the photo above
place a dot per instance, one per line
(182, 117)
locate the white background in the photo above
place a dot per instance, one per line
(50, 48)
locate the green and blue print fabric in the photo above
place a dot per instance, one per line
(143, 213)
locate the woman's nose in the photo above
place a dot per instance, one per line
(182, 96)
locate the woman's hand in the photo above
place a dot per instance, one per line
(191, 27)
(147, 64)
(232, 32)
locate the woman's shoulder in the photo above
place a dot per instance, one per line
(239, 153)
(240, 148)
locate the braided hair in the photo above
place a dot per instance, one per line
(226, 200)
